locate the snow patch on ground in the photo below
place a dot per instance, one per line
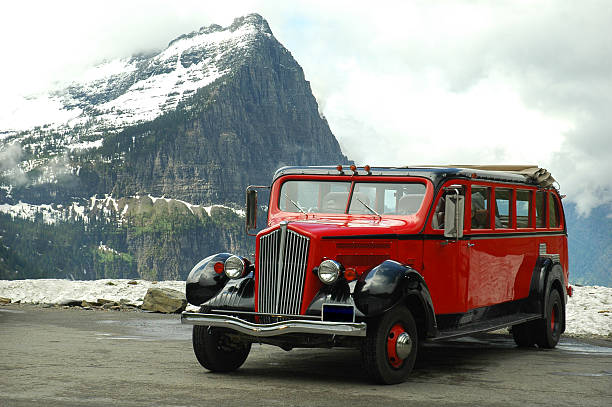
(589, 311)
(55, 291)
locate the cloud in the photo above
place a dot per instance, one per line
(10, 157)
(400, 83)
(472, 82)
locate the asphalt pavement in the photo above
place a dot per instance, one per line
(76, 357)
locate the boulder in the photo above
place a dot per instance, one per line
(5, 300)
(164, 300)
(70, 302)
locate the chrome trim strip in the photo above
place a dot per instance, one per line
(281, 258)
(266, 314)
(276, 328)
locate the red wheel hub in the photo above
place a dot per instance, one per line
(552, 319)
(394, 333)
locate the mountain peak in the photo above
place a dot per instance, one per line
(128, 91)
(254, 20)
(251, 23)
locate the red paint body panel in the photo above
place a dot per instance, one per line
(500, 271)
(445, 270)
(487, 267)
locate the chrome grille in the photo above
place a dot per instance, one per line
(283, 255)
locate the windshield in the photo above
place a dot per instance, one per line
(368, 198)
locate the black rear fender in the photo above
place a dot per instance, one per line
(547, 275)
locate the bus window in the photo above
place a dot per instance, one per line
(540, 209)
(523, 209)
(553, 207)
(481, 218)
(438, 218)
(503, 208)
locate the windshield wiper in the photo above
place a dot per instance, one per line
(368, 208)
(295, 203)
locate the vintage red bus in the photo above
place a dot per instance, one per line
(382, 259)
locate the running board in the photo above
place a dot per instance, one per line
(484, 326)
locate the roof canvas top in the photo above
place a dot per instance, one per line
(530, 174)
(537, 175)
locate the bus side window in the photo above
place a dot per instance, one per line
(503, 208)
(553, 207)
(481, 197)
(540, 209)
(523, 209)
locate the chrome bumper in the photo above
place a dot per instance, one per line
(276, 328)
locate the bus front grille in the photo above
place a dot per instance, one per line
(282, 259)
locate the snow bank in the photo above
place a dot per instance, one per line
(589, 311)
(54, 291)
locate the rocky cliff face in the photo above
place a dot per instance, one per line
(219, 109)
(234, 132)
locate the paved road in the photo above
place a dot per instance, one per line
(73, 357)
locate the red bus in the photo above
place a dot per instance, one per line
(382, 259)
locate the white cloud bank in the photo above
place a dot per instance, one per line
(400, 83)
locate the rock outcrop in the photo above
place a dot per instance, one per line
(164, 300)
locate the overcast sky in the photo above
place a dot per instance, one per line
(410, 82)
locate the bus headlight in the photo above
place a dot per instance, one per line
(234, 267)
(329, 271)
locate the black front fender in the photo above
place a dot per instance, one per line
(390, 283)
(203, 282)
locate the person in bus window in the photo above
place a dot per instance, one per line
(438, 218)
(480, 212)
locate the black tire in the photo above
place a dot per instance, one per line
(524, 334)
(376, 359)
(215, 352)
(549, 328)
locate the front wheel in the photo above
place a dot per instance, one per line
(390, 347)
(217, 351)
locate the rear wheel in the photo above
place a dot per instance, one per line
(549, 328)
(390, 347)
(217, 351)
(524, 334)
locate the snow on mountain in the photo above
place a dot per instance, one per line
(108, 206)
(128, 91)
(589, 311)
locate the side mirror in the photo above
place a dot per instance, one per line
(454, 212)
(251, 209)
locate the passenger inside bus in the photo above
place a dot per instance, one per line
(480, 211)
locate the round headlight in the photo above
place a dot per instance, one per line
(234, 267)
(329, 271)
